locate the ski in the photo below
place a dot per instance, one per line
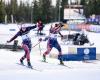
(30, 67)
(65, 66)
(20, 64)
(58, 64)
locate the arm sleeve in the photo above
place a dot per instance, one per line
(31, 27)
(14, 37)
(60, 34)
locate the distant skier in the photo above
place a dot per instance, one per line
(40, 27)
(52, 42)
(26, 42)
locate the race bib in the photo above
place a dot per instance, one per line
(53, 35)
(25, 37)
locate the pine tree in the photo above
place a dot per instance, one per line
(82, 2)
(14, 7)
(2, 11)
(63, 4)
(45, 10)
(36, 11)
(57, 10)
(60, 5)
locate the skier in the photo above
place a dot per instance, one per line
(26, 43)
(52, 42)
(40, 27)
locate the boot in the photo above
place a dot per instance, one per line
(61, 62)
(44, 58)
(29, 65)
(60, 58)
(21, 61)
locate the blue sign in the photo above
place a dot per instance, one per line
(88, 53)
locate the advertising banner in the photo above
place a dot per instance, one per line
(80, 53)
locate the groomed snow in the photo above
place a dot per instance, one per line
(76, 70)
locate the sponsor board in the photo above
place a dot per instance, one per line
(80, 53)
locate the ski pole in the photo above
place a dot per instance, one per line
(36, 44)
(39, 45)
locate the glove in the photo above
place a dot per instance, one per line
(62, 36)
(46, 38)
(8, 41)
(40, 39)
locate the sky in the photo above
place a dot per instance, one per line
(53, 1)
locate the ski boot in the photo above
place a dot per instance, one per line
(29, 65)
(61, 62)
(44, 58)
(21, 62)
(60, 58)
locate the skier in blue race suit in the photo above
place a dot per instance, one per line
(52, 41)
(26, 43)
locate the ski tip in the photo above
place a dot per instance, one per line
(65, 66)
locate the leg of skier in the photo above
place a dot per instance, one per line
(22, 58)
(46, 53)
(57, 46)
(27, 53)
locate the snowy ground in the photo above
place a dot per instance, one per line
(75, 70)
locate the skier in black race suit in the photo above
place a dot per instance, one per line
(26, 42)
